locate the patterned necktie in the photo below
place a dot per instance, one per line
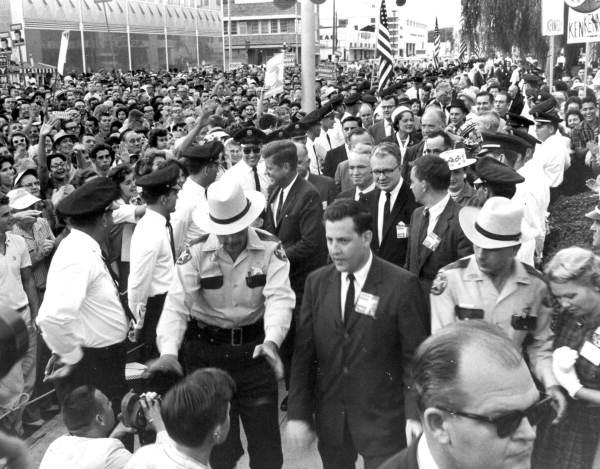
(256, 180)
(349, 304)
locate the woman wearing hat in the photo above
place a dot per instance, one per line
(403, 123)
(460, 190)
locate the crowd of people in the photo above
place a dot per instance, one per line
(381, 253)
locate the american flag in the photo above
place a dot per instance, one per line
(384, 49)
(462, 45)
(436, 44)
(476, 50)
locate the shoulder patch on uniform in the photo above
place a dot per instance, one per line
(184, 257)
(280, 253)
(533, 271)
(199, 239)
(439, 284)
(459, 264)
(266, 236)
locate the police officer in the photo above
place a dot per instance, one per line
(493, 286)
(230, 306)
(153, 254)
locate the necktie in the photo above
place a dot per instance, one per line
(386, 209)
(328, 140)
(423, 227)
(171, 241)
(279, 207)
(122, 296)
(316, 159)
(256, 180)
(349, 304)
(360, 196)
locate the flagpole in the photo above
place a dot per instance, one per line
(128, 35)
(308, 55)
(166, 35)
(222, 36)
(82, 38)
(196, 16)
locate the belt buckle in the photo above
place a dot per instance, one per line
(237, 336)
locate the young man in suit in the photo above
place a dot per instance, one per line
(464, 374)
(324, 185)
(338, 154)
(360, 322)
(435, 236)
(383, 128)
(294, 214)
(391, 205)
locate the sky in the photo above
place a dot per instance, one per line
(447, 11)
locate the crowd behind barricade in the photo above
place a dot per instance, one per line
(381, 255)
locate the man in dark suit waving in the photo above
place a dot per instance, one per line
(391, 205)
(436, 238)
(359, 325)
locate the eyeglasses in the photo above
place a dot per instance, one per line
(384, 172)
(57, 165)
(252, 149)
(135, 140)
(31, 184)
(18, 141)
(508, 423)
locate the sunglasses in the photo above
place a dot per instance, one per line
(248, 150)
(508, 423)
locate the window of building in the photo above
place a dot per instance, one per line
(286, 26)
(264, 27)
(234, 27)
(242, 27)
(274, 26)
(252, 27)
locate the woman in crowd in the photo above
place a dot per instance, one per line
(403, 122)
(574, 280)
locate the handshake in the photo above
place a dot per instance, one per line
(563, 366)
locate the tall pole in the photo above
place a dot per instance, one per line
(551, 70)
(297, 26)
(166, 35)
(333, 32)
(585, 70)
(82, 38)
(110, 42)
(308, 55)
(128, 35)
(223, 34)
(229, 29)
(197, 37)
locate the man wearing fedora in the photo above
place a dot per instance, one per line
(230, 306)
(492, 285)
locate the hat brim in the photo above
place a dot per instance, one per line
(467, 217)
(593, 215)
(202, 219)
(467, 162)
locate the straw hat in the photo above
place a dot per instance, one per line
(457, 158)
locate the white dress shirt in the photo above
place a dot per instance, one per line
(286, 191)
(360, 277)
(315, 161)
(75, 452)
(364, 191)
(243, 173)
(191, 196)
(15, 258)
(152, 263)
(434, 213)
(424, 457)
(393, 196)
(553, 155)
(125, 215)
(81, 307)
(336, 134)
(162, 455)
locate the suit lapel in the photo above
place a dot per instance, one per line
(375, 215)
(440, 229)
(398, 205)
(289, 200)
(332, 297)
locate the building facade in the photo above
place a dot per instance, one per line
(149, 34)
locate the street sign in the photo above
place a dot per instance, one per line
(327, 70)
(289, 59)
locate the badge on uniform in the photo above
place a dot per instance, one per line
(439, 284)
(590, 352)
(401, 230)
(256, 278)
(466, 312)
(366, 304)
(432, 241)
(185, 257)
(524, 321)
(280, 253)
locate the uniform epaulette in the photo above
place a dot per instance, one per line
(266, 236)
(459, 264)
(199, 239)
(533, 271)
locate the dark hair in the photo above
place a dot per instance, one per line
(195, 405)
(448, 143)
(358, 120)
(154, 134)
(349, 208)
(282, 151)
(7, 159)
(434, 170)
(4, 200)
(438, 360)
(574, 113)
(102, 146)
(120, 172)
(484, 93)
(387, 148)
(79, 408)
(267, 120)
(51, 156)
(573, 99)
(18, 134)
(588, 99)
(501, 189)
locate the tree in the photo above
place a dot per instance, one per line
(498, 26)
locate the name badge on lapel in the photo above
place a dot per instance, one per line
(366, 304)
(590, 352)
(401, 230)
(324, 204)
(432, 241)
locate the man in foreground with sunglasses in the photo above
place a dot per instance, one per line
(478, 404)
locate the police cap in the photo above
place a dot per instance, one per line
(492, 170)
(92, 198)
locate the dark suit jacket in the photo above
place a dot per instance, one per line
(357, 374)
(325, 186)
(412, 153)
(332, 158)
(300, 230)
(392, 249)
(377, 131)
(425, 263)
(405, 459)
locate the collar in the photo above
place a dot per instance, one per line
(369, 188)
(424, 457)
(287, 188)
(85, 239)
(254, 242)
(155, 216)
(473, 273)
(193, 185)
(361, 274)
(394, 192)
(436, 209)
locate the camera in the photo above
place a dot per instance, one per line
(132, 414)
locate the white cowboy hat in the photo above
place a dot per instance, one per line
(495, 225)
(230, 209)
(457, 158)
(594, 214)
